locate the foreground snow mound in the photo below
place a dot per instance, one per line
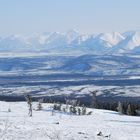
(102, 124)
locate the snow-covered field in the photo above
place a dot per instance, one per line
(17, 125)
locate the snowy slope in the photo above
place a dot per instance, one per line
(18, 125)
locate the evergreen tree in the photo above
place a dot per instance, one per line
(120, 108)
(94, 99)
(131, 110)
(29, 102)
(79, 111)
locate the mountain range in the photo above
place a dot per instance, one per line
(72, 42)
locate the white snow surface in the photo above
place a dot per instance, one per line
(17, 125)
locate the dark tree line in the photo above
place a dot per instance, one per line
(123, 107)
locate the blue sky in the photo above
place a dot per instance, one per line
(87, 16)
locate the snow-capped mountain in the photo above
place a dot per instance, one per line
(98, 44)
(73, 41)
(14, 43)
(112, 38)
(71, 35)
(129, 44)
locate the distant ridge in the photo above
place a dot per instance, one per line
(72, 41)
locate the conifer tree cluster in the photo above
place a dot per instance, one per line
(129, 110)
(72, 109)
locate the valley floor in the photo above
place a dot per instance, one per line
(17, 125)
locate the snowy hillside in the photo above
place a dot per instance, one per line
(37, 63)
(62, 126)
(72, 41)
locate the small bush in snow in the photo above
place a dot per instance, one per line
(52, 112)
(9, 109)
(89, 113)
(84, 110)
(57, 107)
(39, 107)
(64, 109)
(73, 109)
